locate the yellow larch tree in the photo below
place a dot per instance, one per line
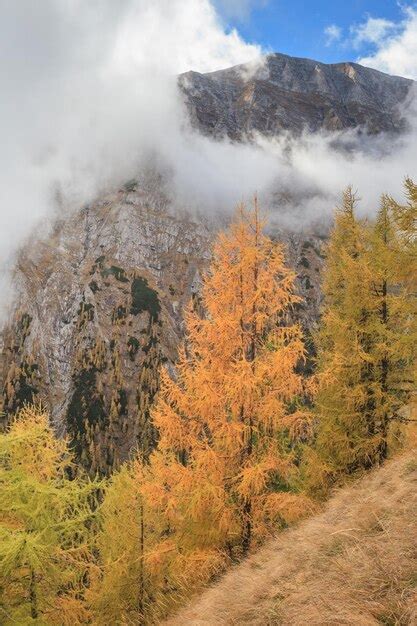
(404, 219)
(124, 592)
(366, 344)
(46, 526)
(345, 437)
(394, 331)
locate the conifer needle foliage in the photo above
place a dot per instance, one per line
(217, 467)
(46, 527)
(220, 476)
(368, 337)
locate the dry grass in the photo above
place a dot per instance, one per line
(354, 564)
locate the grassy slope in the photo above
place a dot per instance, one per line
(354, 564)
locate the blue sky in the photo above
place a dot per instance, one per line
(297, 27)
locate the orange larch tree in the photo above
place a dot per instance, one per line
(220, 476)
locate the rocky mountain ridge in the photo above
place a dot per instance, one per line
(288, 94)
(100, 301)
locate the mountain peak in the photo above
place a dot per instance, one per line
(292, 94)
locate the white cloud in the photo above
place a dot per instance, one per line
(333, 33)
(396, 46)
(318, 173)
(176, 36)
(88, 89)
(374, 30)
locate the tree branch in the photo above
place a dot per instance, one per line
(400, 418)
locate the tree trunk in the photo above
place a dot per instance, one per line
(383, 448)
(247, 526)
(33, 595)
(141, 564)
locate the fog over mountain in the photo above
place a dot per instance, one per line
(90, 97)
(119, 259)
(219, 369)
(312, 128)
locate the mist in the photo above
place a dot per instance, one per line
(89, 92)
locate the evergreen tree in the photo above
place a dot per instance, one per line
(365, 344)
(148, 386)
(137, 582)
(46, 527)
(220, 476)
(346, 439)
(21, 375)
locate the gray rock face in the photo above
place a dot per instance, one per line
(291, 94)
(100, 306)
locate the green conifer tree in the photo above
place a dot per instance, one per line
(365, 344)
(46, 527)
(345, 436)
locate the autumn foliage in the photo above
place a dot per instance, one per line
(47, 525)
(220, 479)
(236, 438)
(367, 339)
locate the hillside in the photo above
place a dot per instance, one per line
(100, 298)
(288, 94)
(355, 563)
(99, 307)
